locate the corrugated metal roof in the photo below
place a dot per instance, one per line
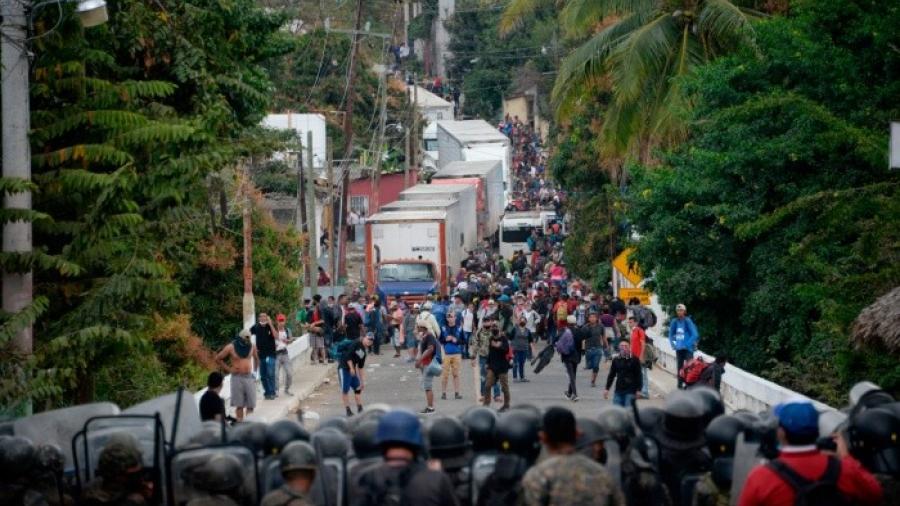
(467, 169)
(411, 215)
(473, 131)
(436, 188)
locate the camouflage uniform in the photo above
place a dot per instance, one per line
(707, 493)
(570, 480)
(116, 459)
(285, 496)
(479, 346)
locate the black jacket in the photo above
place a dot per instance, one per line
(626, 372)
(497, 360)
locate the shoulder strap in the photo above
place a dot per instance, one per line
(791, 477)
(832, 471)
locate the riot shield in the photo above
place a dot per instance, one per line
(191, 476)
(179, 413)
(59, 426)
(746, 457)
(145, 431)
(330, 484)
(270, 475)
(482, 466)
(614, 460)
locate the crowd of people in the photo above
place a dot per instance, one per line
(689, 452)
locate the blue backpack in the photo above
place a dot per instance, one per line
(566, 343)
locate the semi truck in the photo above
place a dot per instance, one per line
(411, 253)
(474, 140)
(487, 178)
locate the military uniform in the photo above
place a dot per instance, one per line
(707, 493)
(98, 493)
(480, 344)
(570, 480)
(285, 496)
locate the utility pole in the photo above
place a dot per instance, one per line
(335, 217)
(376, 191)
(414, 152)
(300, 218)
(14, 68)
(312, 234)
(348, 137)
(249, 303)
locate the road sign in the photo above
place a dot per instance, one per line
(631, 273)
(627, 293)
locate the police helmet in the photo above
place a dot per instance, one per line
(17, 456)
(748, 417)
(617, 422)
(364, 443)
(682, 423)
(399, 427)
(50, 457)
(722, 433)
(874, 439)
(517, 433)
(282, 432)
(118, 458)
(298, 456)
(338, 422)
(591, 432)
(482, 423)
(710, 400)
(330, 443)
(221, 474)
(536, 411)
(446, 438)
(250, 434)
(649, 417)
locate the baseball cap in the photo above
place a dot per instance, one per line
(416, 306)
(280, 317)
(798, 416)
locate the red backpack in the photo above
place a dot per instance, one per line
(692, 370)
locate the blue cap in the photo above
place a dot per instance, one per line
(399, 427)
(798, 417)
(504, 298)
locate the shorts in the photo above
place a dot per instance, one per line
(451, 365)
(317, 341)
(592, 359)
(243, 391)
(429, 373)
(348, 381)
(411, 343)
(396, 338)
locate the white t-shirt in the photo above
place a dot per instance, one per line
(468, 320)
(281, 341)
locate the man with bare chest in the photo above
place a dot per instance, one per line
(244, 362)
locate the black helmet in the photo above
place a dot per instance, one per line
(50, 458)
(682, 424)
(252, 435)
(298, 456)
(17, 456)
(338, 422)
(517, 433)
(722, 433)
(481, 422)
(447, 438)
(364, 444)
(874, 439)
(282, 432)
(121, 454)
(221, 474)
(616, 421)
(330, 443)
(648, 417)
(748, 417)
(530, 408)
(710, 400)
(591, 432)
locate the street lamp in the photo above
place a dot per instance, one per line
(92, 12)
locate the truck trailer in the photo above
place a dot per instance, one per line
(487, 177)
(474, 140)
(465, 194)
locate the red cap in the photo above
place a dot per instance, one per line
(280, 317)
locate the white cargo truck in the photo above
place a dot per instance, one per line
(465, 194)
(515, 229)
(487, 177)
(474, 140)
(411, 253)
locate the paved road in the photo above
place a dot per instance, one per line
(395, 382)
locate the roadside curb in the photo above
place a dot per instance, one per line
(307, 378)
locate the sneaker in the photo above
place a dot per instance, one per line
(457, 396)
(427, 411)
(574, 398)
(444, 396)
(358, 408)
(524, 380)
(349, 411)
(288, 393)
(503, 409)
(567, 396)
(593, 385)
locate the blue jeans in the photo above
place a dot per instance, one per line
(482, 365)
(465, 343)
(519, 358)
(267, 375)
(645, 390)
(623, 400)
(592, 359)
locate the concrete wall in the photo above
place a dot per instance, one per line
(446, 8)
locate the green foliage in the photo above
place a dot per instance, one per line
(776, 222)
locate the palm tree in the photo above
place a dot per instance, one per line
(641, 49)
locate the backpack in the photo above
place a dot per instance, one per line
(566, 343)
(645, 316)
(708, 376)
(821, 492)
(692, 370)
(390, 490)
(562, 312)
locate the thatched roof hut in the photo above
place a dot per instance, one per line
(879, 324)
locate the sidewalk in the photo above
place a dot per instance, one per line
(307, 378)
(661, 382)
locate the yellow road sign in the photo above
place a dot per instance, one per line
(631, 273)
(627, 293)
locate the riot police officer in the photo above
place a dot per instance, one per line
(298, 468)
(591, 441)
(714, 488)
(874, 439)
(120, 476)
(221, 478)
(519, 445)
